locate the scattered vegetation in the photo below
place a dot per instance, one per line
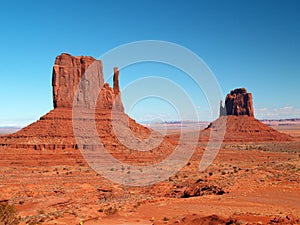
(165, 219)
(111, 210)
(8, 214)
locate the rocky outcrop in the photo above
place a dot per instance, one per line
(110, 98)
(238, 122)
(238, 103)
(186, 189)
(67, 73)
(78, 79)
(74, 80)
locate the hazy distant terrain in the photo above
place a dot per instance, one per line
(9, 130)
(282, 122)
(186, 125)
(174, 126)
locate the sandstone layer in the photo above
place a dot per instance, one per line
(243, 129)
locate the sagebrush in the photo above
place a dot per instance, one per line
(8, 214)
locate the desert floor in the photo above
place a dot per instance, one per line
(260, 184)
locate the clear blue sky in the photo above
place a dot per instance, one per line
(252, 44)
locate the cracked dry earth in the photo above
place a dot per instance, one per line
(248, 183)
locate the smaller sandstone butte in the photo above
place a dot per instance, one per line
(238, 102)
(237, 119)
(76, 79)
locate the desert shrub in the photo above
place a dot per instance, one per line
(110, 211)
(8, 214)
(165, 219)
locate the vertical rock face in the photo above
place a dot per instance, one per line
(117, 99)
(111, 97)
(222, 109)
(238, 102)
(116, 81)
(67, 72)
(75, 79)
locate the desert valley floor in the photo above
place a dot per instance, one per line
(248, 183)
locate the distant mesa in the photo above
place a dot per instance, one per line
(238, 103)
(237, 118)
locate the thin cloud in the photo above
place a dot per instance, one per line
(277, 113)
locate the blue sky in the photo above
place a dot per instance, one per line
(252, 44)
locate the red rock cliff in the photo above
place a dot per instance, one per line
(238, 102)
(66, 80)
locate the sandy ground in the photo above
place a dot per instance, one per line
(261, 183)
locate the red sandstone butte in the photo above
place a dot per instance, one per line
(55, 130)
(76, 77)
(237, 118)
(238, 102)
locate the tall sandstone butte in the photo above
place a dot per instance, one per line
(76, 79)
(238, 103)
